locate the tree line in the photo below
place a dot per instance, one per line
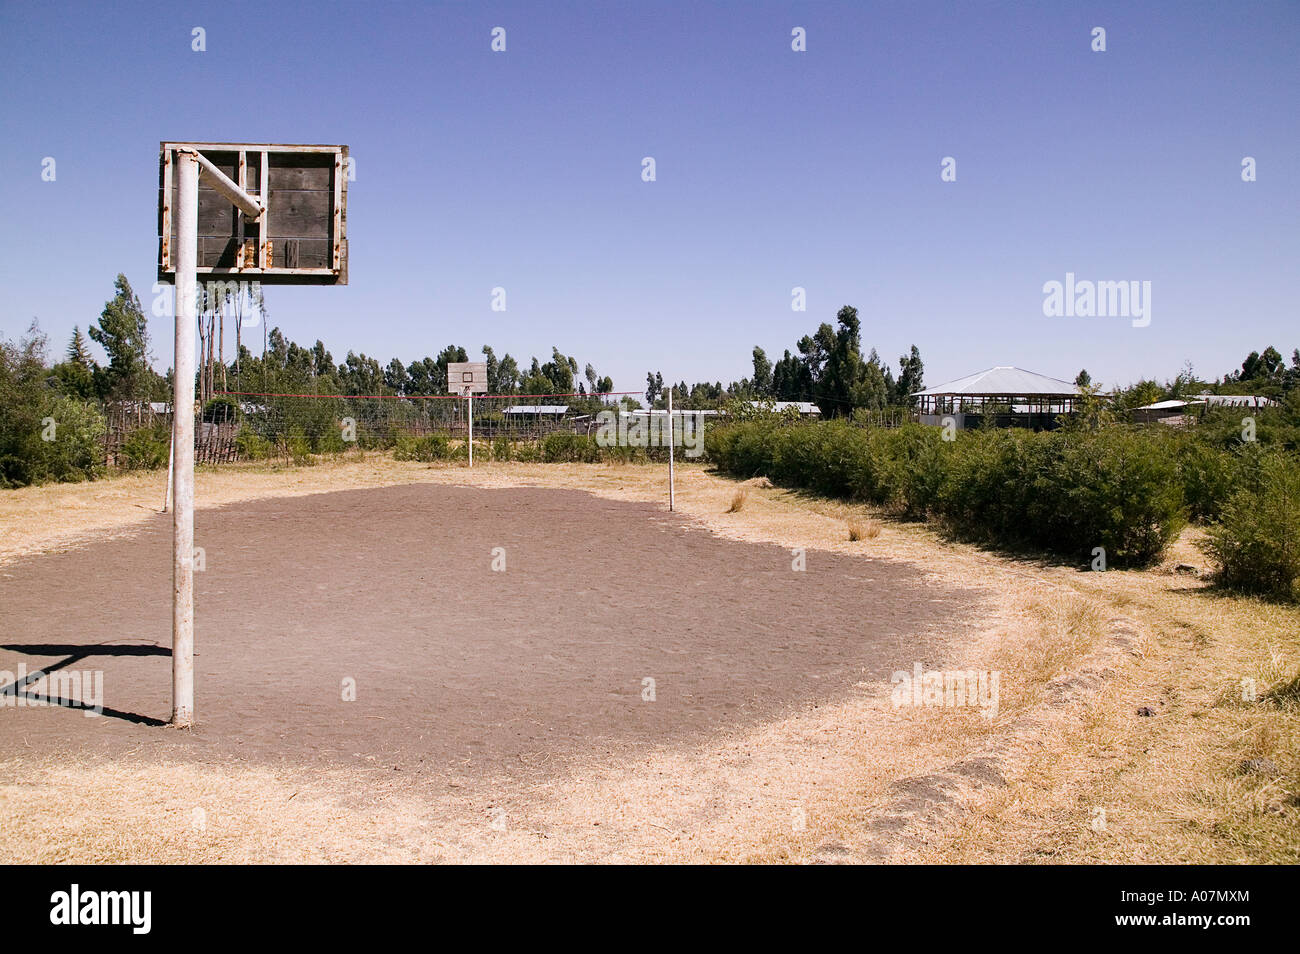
(828, 368)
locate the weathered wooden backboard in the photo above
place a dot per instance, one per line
(301, 238)
(467, 377)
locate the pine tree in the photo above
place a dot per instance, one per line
(78, 353)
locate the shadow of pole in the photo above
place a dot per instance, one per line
(75, 654)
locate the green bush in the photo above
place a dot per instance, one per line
(428, 448)
(251, 445)
(1114, 488)
(528, 452)
(222, 409)
(146, 448)
(563, 447)
(297, 447)
(74, 452)
(906, 468)
(1064, 493)
(1256, 541)
(330, 442)
(501, 449)
(1209, 476)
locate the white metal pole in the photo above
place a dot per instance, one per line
(471, 428)
(672, 500)
(171, 464)
(187, 241)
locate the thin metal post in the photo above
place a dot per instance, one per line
(171, 465)
(471, 428)
(672, 499)
(187, 240)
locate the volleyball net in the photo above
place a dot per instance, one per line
(237, 425)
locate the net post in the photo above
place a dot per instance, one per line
(672, 500)
(187, 240)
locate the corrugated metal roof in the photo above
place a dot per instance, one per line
(1165, 405)
(660, 412)
(1236, 400)
(1008, 381)
(537, 409)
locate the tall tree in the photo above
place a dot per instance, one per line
(791, 379)
(502, 373)
(395, 377)
(560, 371)
(911, 377)
(446, 356)
(835, 360)
(123, 333)
(75, 377)
(654, 385)
(78, 353)
(762, 372)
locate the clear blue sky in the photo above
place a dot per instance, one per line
(775, 169)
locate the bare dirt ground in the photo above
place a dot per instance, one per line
(458, 666)
(499, 715)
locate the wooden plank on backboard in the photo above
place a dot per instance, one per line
(264, 231)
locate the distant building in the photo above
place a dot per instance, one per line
(1166, 412)
(1012, 397)
(805, 408)
(553, 411)
(1236, 400)
(1175, 412)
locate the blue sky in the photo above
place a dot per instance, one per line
(775, 169)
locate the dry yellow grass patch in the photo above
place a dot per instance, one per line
(738, 501)
(1110, 785)
(863, 529)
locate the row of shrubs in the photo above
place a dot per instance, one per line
(1128, 490)
(555, 448)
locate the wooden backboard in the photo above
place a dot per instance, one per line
(301, 238)
(467, 377)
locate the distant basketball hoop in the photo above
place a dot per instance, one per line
(468, 378)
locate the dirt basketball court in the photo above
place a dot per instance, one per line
(458, 667)
(499, 714)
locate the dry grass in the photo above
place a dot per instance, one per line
(863, 529)
(1066, 739)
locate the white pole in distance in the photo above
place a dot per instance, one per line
(471, 428)
(171, 464)
(671, 494)
(187, 240)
